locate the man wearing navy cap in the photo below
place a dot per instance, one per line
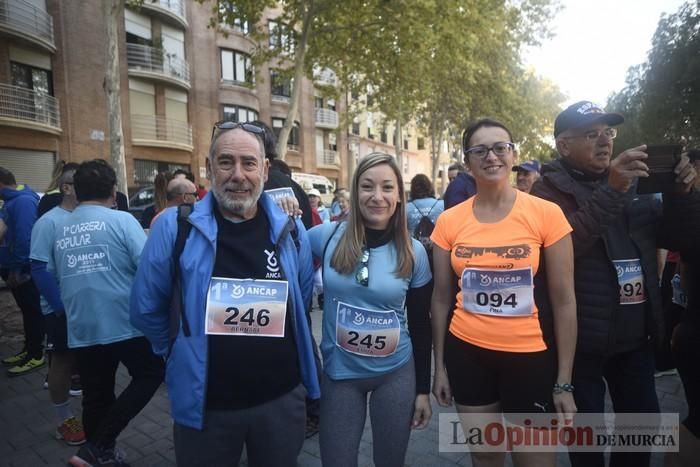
(527, 174)
(616, 232)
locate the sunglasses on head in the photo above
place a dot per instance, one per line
(226, 125)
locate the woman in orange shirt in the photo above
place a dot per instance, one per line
(498, 355)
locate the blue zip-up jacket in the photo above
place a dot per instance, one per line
(186, 370)
(20, 215)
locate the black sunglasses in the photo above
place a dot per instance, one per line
(226, 125)
(362, 274)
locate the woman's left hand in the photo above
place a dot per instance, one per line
(566, 407)
(422, 412)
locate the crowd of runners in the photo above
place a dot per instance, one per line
(533, 298)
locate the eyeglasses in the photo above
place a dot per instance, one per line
(226, 125)
(593, 135)
(362, 274)
(194, 193)
(501, 149)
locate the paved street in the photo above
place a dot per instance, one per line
(27, 421)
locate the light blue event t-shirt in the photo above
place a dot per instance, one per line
(95, 255)
(43, 234)
(417, 208)
(346, 298)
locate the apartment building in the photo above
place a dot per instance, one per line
(177, 77)
(372, 132)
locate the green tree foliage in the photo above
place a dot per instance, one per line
(477, 72)
(661, 99)
(443, 62)
(317, 29)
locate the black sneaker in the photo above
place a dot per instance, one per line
(76, 388)
(91, 456)
(85, 457)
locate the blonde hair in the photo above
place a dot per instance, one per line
(160, 190)
(55, 176)
(349, 250)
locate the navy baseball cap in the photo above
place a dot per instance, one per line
(582, 114)
(530, 166)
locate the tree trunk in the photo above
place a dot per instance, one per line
(299, 55)
(113, 13)
(351, 161)
(399, 145)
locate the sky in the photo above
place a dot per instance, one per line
(595, 42)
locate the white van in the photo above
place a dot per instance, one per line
(321, 183)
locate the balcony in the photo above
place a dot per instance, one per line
(325, 77)
(173, 10)
(149, 62)
(329, 157)
(27, 22)
(24, 108)
(160, 132)
(327, 118)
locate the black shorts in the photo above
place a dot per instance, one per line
(520, 381)
(56, 332)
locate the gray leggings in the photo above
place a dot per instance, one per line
(344, 410)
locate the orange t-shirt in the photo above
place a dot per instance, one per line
(496, 264)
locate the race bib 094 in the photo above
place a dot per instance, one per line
(498, 292)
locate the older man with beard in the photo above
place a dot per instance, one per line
(240, 358)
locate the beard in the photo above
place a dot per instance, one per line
(236, 206)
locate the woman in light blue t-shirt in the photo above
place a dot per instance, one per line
(422, 202)
(376, 328)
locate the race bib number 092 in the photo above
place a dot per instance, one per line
(246, 307)
(630, 276)
(371, 333)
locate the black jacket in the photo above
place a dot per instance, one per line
(597, 290)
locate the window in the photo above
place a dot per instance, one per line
(281, 37)
(134, 39)
(318, 102)
(280, 86)
(137, 26)
(382, 136)
(236, 113)
(176, 105)
(144, 174)
(405, 145)
(30, 77)
(369, 133)
(356, 128)
(236, 67)
(293, 140)
(229, 16)
(421, 143)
